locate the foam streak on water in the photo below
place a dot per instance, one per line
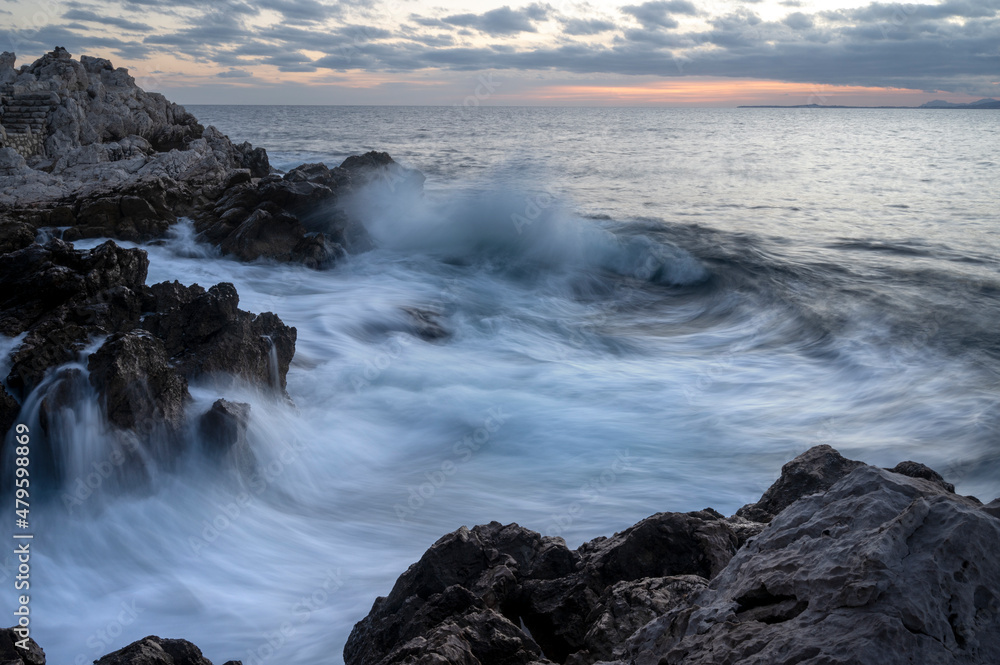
(607, 359)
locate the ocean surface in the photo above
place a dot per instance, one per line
(649, 310)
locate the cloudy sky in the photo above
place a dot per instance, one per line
(601, 52)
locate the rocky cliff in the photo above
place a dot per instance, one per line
(83, 148)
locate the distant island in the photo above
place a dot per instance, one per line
(936, 104)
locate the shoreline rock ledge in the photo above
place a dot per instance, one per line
(840, 562)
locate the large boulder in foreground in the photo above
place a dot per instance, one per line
(496, 578)
(881, 568)
(856, 565)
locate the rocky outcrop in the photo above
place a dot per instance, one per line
(816, 470)
(881, 568)
(153, 650)
(855, 564)
(298, 217)
(12, 654)
(106, 157)
(89, 151)
(496, 578)
(150, 341)
(223, 430)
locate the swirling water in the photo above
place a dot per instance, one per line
(649, 309)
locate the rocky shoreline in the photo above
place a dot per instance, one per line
(838, 562)
(850, 563)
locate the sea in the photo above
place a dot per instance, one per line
(646, 310)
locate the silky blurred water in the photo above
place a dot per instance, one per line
(648, 310)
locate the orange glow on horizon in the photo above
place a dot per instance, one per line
(716, 91)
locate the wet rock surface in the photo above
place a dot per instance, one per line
(140, 346)
(853, 564)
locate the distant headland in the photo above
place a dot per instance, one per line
(936, 104)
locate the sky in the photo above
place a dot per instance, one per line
(490, 52)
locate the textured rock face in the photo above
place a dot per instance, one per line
(112, 160)
(816, 470)
(297, 217)
(223, 430)
(157, 338)
(857, 565)
(881, 568)
(153, 650)
(137, 384)
(496, 578)
(11, 654)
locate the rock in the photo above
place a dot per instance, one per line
(625, 607)
(881, 568)
(223, 430)
(138, 387)
(153, 650)
(62, 297)
(813, 471)
(556, 610)
(206, 333)
(15, 236)
(918, 470)
(993, 508)
(495, 572)
(9, 410)
(11, 654)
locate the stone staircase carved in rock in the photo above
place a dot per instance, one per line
(25, 120)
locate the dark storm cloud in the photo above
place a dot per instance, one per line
(660, 14)
(85, 15)
(301, 10)
(502, 21)
(798, 21)
(581, 26)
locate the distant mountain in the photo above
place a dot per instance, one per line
(987, 103)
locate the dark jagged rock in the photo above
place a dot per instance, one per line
(11, 654)
(918, 470)
(15, 236)
(223, 430)
(205, 332)
(137, 385)
(558, 594)
(298, 217)
(9, 410)
(860, 565)
(815, 470)
(153, 650)
(62, 299)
